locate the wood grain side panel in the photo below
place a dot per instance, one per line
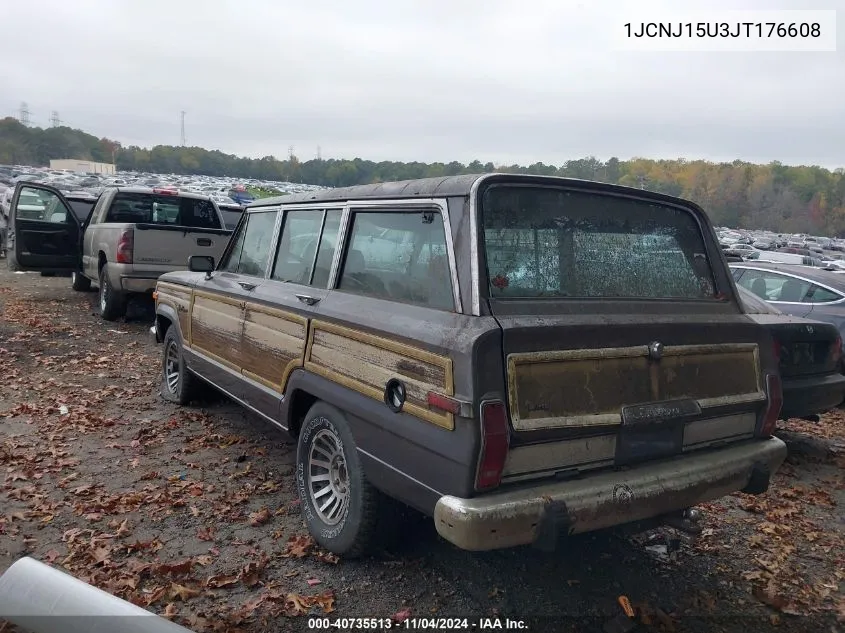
(273, 344)
(365, 363)
(179, 299)
(216, 328)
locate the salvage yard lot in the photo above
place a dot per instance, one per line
(192, 512)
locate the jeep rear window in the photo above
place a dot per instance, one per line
(146, 208)
(543, 242)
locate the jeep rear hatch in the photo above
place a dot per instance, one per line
(623, 339)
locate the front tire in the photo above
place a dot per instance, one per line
(177, 383)
(80, 282)
(343, 511)
(112, 302)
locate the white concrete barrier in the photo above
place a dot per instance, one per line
(42, 599)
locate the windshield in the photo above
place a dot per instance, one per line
(553, 243)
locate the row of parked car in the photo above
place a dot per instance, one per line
(767, 240)
(519, 357)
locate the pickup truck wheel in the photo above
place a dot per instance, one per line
(112, 302)
(343, 511)
(80, 282)
(177, 383)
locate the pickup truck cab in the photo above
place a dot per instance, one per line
(122, 245)
(519, 357)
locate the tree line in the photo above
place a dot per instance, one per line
(778, 197)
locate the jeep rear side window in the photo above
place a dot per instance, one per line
(553, 243)
(399, 257)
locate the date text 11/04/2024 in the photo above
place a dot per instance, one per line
(759, 30)
(416, 623)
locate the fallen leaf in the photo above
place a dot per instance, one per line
(215, 582)
(51, 556)
(298, 546)
(327, 557)
(175, 569)
(205, 534)
(400, 616)
(259, 518)
(182, 592)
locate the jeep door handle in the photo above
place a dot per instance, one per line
(307, 299)
(246, 286)
(203, 241)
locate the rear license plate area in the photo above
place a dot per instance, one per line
(653, 430)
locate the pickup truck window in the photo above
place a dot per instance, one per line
(147, 208)
(555, 243)
(399, 257)
(251, 250)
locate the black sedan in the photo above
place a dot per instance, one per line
(810, 356)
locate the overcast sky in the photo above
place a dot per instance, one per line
(430, 80)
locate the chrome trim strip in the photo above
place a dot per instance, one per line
(228, 393)
(399, 472)
(450, 253)
(340, 246)
(474, 265)
(274, 245)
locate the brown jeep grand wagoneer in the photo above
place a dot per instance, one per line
(519, 357)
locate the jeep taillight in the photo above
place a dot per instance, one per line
(495, 441)
(125, 247)
(773, 405)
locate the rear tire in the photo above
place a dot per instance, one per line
(328, 469)
(177, 383)
(112, 303)
(80, 282)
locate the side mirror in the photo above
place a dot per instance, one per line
(201, 264)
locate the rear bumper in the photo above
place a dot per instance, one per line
(809, 395)
(138, 283)
(529, 514)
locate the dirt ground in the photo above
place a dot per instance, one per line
(192, 512)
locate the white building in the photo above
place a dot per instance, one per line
(82, 166)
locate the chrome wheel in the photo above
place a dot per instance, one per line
(171, 367)
(328, 479)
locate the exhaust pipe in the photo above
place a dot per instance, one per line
(42, 599)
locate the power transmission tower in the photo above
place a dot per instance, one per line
(183, 129)
(24, 114)
(55, 121)
(319, 153)
(290, 152)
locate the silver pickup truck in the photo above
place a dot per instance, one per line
(130, 237)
